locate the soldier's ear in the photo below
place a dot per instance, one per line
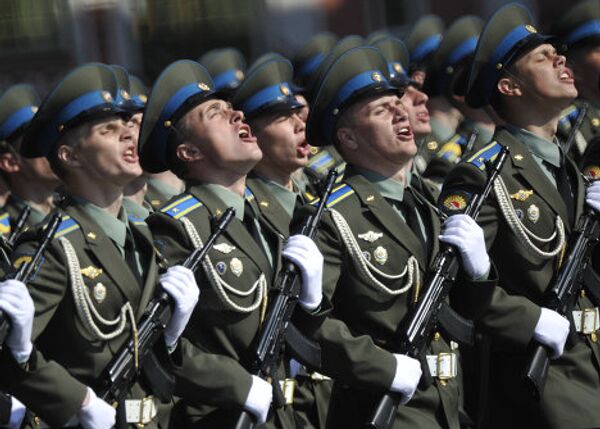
(347, 138)
(188, 152)
(508, 86)
(9, 163)
(68, 156)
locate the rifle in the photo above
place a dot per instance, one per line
(27, 268)
(281, 309)
(19, 226)
(422, 321)
(564, 290)
(124, 368)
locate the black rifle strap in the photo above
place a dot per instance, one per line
(161, 381)
(304, 350)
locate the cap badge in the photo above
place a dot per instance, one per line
(143, 98)
(203, 86)
(106, 96)
(125, 95)
(530, 28)
(376, 76)
(284, 90)
(239, 74)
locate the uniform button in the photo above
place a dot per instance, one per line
(437, 336)
(582, 293)
(594, 337)
(443, 382)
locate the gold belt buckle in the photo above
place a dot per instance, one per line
(148, 401)
(584, 313)
(287, 388)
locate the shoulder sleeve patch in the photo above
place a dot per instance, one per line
(136, 220)
(323, 161)
(4, 223)
(488, 153)
(182, 206)
(338, 194)
(248, 195)
(67, 226)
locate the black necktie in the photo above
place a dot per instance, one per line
(565, 188)
(250, 223)
(410, 210)
(130, 258)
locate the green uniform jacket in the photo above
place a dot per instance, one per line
(571, 395)
(361, 334)
(66, 356)
(212, 362)
(9, 215)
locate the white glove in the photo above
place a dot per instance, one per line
(259, 399)
(303, 252)
(406, 379)
(463, 232)
(592, 195)
(16, 302)
(552, 331)
(17, 412)
(96, 414)
(179, 282)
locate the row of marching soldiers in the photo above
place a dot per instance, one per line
(144, 176)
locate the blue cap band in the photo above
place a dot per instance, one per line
(358, 82)
(590, 28)
(266, 96)
(171, 107)
(425, 48)
(227, 79)
(85, 102)
(311, 65)
(467, 47)
(16, 121)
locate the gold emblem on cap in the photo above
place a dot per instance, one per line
(376, 76)
(522, 194)
(530, 28)
(91, 272)
(381, 255)
(284, 89)
(34, 109)
(533, 213)
(595, 122)
(60, 128)
(167, 124)
(236, 266)
(125, 95)
(203, 86)
(239, 74)
(432, 145)
(99, 292)
(106, 96)
(143, 98)
(397, 67)
(499, 66)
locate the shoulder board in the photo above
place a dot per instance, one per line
(182, 206)
(338, 194)
(136, 220)
(5, 223)
(323, 161)
(248, 195)
(488, 153)
(450, 151)
(567, 117)
(67, 226)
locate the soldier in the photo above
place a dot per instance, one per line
(32, 182)
(205, 142)
(579, 38)
(98, 274)
(227, 67)
(447, 77)
(538, 197)
(378, 240)
(266, 98)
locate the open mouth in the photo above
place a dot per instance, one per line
(405, 133)
(245, 134)
(303, 148)
(423, 116)
(566, 75)
(131, 156)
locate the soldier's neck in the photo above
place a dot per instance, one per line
(235, 183)
(283, 178)
(38, 195)
(109, 198)
(546, 131)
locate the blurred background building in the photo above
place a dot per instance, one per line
(42, 39)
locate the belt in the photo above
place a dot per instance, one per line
(137, 411)
(140, 411)
(443, 366)
(586, 321)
